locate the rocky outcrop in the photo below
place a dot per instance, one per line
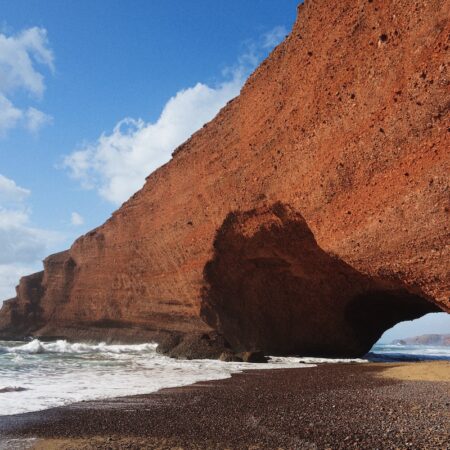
(23, 313)
(310, 215)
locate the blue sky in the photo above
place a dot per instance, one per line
(117, 59)
(95, 94)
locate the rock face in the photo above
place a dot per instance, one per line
(309, 216)
(269, 285)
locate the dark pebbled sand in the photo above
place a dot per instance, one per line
(326, 407)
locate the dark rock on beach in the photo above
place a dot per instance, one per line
(194, 346)
(253, 357)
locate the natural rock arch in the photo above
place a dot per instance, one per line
(271, 287)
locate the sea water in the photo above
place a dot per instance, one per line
(38, 375)
(397, 352)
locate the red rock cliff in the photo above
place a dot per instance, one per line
(310, 215)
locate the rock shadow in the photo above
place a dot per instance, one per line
(270, 287)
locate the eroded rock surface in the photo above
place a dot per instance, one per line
(270, 286)
(326, 182)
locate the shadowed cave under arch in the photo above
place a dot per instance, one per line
(270, 287)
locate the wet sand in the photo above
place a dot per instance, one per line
(361, 406)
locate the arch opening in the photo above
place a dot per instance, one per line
(270, 287)
(432, 329)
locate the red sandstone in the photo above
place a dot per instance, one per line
(324, 185)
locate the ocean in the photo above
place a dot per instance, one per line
(39, 375)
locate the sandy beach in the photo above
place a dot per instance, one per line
(337, 406)
(424, 371)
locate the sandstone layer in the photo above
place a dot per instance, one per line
(309, 216)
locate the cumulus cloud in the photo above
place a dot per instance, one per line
(23, 246)
(76, 219)
(9, 115)
(19, 56)
(118, 162)
(10, 192)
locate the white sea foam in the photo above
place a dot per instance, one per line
(417, 350)
(6, 389)
(61, 346)
(397, 352)
(39, 375)
(60, 373)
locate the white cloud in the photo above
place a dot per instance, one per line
(9, 115)
(36, 119)
(10, 275)
(274, 37)
(19, 56)
(19, 241)
(117, 163)
(10, 192)
(23, 246)
(76, 219)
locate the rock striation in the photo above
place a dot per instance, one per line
(308, 217)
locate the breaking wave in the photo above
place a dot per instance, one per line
(38, 375)
(59, 373)
(36, 347)
(4, 390)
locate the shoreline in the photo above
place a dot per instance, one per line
(327, 406)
